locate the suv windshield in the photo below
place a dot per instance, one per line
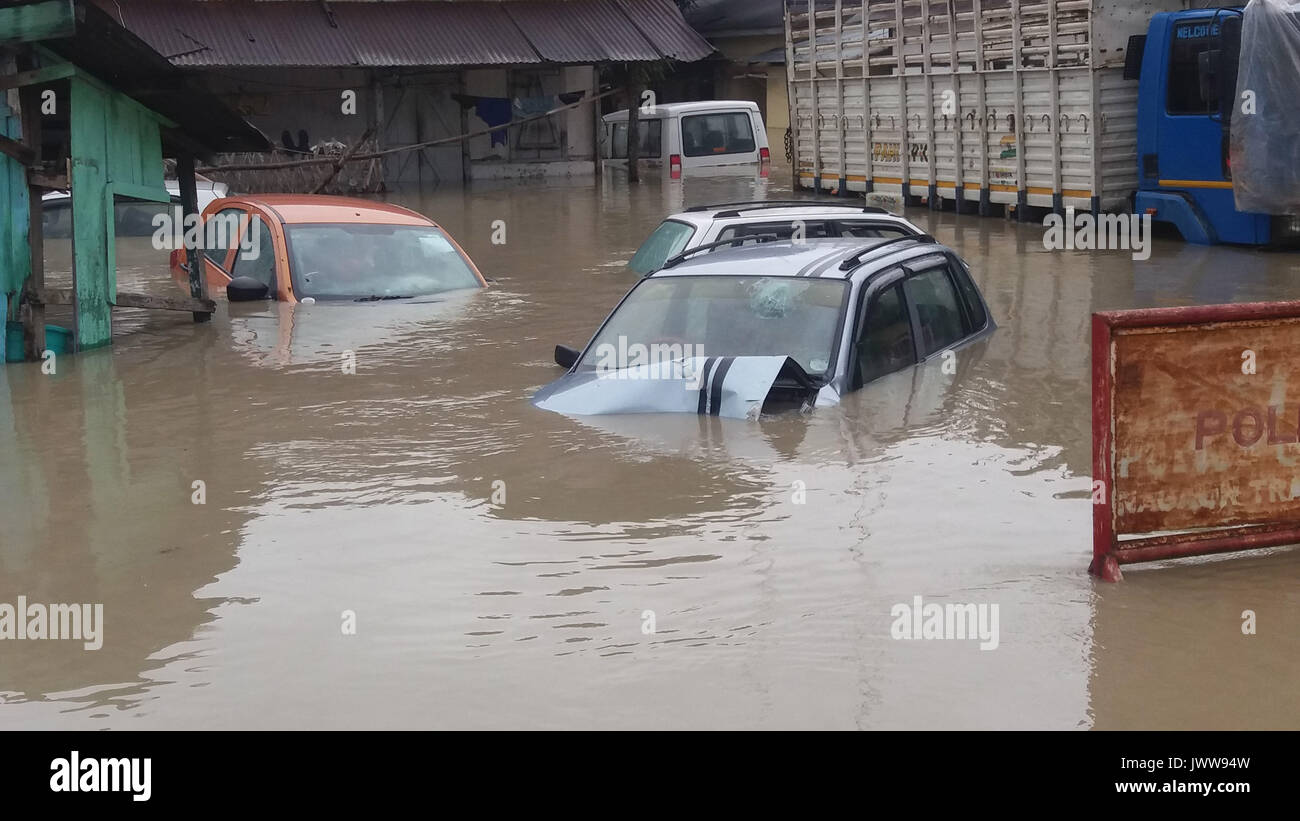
(729, 316)
(351, 261)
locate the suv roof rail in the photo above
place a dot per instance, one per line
(856, 258)
(733, 209)
(734, 241)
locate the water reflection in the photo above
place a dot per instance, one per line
(766, 555)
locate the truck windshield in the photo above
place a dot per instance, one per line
(353, 261)
(725, 316)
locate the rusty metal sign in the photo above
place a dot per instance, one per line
(1196, 432)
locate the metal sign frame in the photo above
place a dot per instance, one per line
(1109, 551)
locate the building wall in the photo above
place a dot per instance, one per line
(417, 106)
(778, 109)
(738, 79)
(563, 144)
(280, 99)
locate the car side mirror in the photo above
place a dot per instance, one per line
(566, 357)
(246, 289)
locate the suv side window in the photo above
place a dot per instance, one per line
(258, 261)
(812, 229)
(938, 310)
(217, 239)
(974, 305)
(885, 344)
(870, 230)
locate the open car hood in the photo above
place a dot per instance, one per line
(739, 387)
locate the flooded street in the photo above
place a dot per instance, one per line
(326, 492)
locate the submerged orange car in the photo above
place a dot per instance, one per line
(293, 247)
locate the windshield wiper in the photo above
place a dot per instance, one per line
(377, 298)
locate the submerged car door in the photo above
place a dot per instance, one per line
(919, 311)
(218, 242)
(255, 255)
(884, 340)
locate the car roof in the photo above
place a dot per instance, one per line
(810, 258)
(669, 109)
(317, 208)
(748, 213)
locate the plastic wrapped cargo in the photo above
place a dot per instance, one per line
(1265, 138)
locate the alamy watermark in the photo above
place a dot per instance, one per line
(173, 230)
(67, 622)
(657, 360)
(952, 622)
(77, 774)
(1098, 232)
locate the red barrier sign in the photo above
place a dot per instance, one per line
(1195, 432)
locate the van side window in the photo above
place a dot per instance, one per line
(885, 344)
(706, 135)
(651, 142)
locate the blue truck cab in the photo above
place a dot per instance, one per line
(1186, 67)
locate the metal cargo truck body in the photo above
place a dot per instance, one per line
(982, 102)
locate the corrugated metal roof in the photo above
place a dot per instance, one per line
(672, 37)
(411, 33)
(430, 34)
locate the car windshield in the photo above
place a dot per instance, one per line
(357, 261)
(667, 240)
(727, 316)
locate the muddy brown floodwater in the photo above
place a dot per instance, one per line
(373, 493)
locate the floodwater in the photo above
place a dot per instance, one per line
(373, 493)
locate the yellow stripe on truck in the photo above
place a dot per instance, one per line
(1195, 184)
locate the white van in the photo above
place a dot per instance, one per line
(691, 135)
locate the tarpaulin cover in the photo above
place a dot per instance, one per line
(1265, 145)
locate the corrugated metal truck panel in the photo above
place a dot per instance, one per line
(1006, 100)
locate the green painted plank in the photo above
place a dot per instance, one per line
(15, 255)
(135, 152)
(50, 20)
(150, 193)
(38, 76)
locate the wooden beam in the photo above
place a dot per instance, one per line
(165, 303)
(67, 296)
(51, 20)
(37, 76)
(13, 148)
(47, 182)
(55, 296)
